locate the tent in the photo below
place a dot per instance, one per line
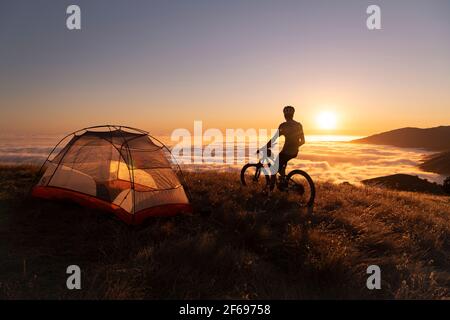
(120, 169)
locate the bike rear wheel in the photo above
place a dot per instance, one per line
(253, 175)
(301, 184)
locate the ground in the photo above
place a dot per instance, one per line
(239, 243)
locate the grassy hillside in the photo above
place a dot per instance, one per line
(238, 244)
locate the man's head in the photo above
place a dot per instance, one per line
(288, 112)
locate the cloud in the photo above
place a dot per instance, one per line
(340, 161)
(325, 161)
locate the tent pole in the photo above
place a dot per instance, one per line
(131, 172)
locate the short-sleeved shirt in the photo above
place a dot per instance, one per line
(292, 132)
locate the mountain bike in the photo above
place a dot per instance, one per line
(296, 182)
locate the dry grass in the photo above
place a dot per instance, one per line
(238, 244)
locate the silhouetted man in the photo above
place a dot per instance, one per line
(294, 138)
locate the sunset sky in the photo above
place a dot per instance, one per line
(160, 65)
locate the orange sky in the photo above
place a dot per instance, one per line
(231, 65)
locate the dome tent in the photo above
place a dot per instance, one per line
(120, 169)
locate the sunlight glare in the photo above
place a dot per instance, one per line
(327, 120)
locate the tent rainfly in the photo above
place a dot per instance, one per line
(120, 169)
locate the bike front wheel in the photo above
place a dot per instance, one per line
(253, 175)
(301, 184)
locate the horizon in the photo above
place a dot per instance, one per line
(160, 66)
(334, 135)
(328, 135)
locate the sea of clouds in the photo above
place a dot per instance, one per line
(334, 161)
(340, 161)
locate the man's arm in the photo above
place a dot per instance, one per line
(302, 136)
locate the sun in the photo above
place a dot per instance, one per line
(326, 120)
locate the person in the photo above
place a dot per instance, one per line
(294, 138)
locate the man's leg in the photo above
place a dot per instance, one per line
(284, 159)
(282, 163)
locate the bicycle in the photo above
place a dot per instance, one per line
(296, 182)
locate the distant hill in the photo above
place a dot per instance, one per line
(405, 182)
(437, 138)
(438, 163)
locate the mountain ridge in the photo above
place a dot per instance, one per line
(435, 138)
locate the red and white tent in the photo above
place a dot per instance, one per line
(120, 169)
